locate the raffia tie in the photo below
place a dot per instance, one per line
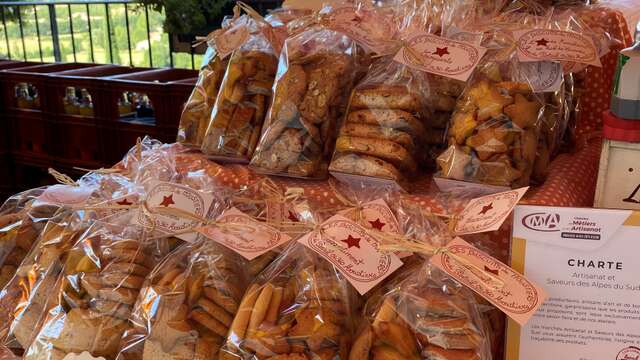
(356, 206)
(63, 179)
(393, 243)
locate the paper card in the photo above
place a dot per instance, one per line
(375, 215)
(244, 235)
(440, 56)
(125, 200)
(543, 76)
(169, 195)
(368, 27)
(351, 249)
(65, 195)
(587, 261)
(556, 45)
(279, 212)
(487, 213)
(502, 286)
(230, 39)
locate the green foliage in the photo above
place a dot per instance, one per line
(189, 16)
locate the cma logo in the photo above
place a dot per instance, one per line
(542, 222)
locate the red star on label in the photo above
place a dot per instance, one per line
(542, 42)
(124, 202)
(490, 270)
(377, 224)
(167, 200)
(292, 217)
(441, 51)
(352, 242)
(485, 209)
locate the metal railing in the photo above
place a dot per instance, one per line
(97, 31)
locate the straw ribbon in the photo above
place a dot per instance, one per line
(393, 242)
(62, 178)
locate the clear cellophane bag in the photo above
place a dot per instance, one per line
(197, 110)
(92, 299)
(21, 221)
(300, 307)
(426, 316)
(282, 208)
(315, 74)
(186, 305)
(25, 298)
(245, 94)
(494, 129)
(384, 131)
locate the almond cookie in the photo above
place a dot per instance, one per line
(386, 97)
(290, 90)
(322, 88)
(394, 119)
(383, 149)
(285, 151)
(377, 132)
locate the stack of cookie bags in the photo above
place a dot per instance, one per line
(299, 308)
(245, 92)
(21, 221)
(186, 305)
(315, 75)
(427, 316)
(26, 298)
(91, 302)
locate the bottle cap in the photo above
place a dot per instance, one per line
(619, 129)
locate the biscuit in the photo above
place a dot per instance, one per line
(290, 89)
(121, 279)
(383, 149)
(386, 97)
(126, 268)
(206, 320)
(216, 311)
(378, 132)
(365, 165)
(387, 118)
(522, 112)
(322, 88)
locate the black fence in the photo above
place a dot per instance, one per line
(104, 31)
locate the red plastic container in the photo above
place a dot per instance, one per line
(32, 134)
(77, 126)
(127, 119)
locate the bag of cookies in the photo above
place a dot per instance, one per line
(197, 111)
(315, 75)
(384, 131)
(186, 305)
(21, 221)
(25, 299)
(245, 92)
(99, 283)
(493, 133)
(299, 308)
(427, 316)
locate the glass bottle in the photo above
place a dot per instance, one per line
(86, 103)
(70, 101)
